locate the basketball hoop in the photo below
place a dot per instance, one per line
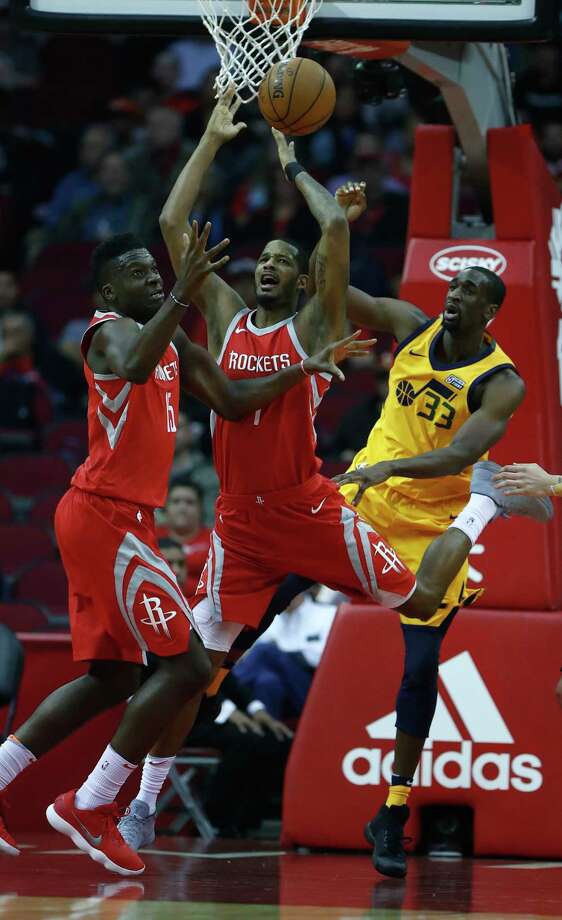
(253, 35)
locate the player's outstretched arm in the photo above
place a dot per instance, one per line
(216, 299)
(323, 317)
(133, 353)
(234, 399)
(501, 397)
(385, 314)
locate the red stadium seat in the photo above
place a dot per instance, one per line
(22, 544)
(69, 439)
(23, 618)
(43, 511)
(43, 583)
(5, 509)
(27, 475)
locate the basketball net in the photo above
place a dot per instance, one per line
(253, 35)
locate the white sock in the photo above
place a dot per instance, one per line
(473, 518)
(105, 780)
(14, 757)
(154, 773)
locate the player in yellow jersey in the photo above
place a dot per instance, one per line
(452, 391)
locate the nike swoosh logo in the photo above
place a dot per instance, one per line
(316, 510)
(238, 331)
(95, 841)
(417, 354)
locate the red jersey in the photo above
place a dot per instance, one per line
(131, 429)
(274, 448)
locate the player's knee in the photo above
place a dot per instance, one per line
(423, 603)
(117, 680)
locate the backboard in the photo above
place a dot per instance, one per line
(429, 20)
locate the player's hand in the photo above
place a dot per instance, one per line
(524, 479)
(285, 148)
(197, 261)
(327, 360)
(352, 199)
(365, 477)
(265, 720)
(220, 127)
(244, 723)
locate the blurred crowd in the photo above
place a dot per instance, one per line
(82, 159)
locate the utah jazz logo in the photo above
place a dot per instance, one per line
(436, 406)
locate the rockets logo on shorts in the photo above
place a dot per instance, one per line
(156, 617)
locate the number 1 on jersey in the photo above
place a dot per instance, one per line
(257, 417)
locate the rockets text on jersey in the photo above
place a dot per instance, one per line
(273, 448)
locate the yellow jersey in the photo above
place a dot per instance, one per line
(428, 402)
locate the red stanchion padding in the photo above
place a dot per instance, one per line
(431, 196)
(520, 565)
(495, 745)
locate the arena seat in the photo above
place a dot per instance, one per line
(21, 544)
(69, 439)
(24, 476)
(5, 509)
(42, 583)
(23, 618)
(53, 293)
(43, 510)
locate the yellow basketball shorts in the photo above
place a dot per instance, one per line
(410, 527)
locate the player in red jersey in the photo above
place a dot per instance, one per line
(275, 512)
(124, 599)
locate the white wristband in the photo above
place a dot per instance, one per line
(254, 706)
(225, 713)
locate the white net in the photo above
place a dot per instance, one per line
(253, 35)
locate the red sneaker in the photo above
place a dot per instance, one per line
(7, 842)
(94, 830)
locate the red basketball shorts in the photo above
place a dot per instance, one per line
(309, 530)
(124, 599)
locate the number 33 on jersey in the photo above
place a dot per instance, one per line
(428, 402)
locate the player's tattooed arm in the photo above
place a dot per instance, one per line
(201, 376)
(323, 316)
(215, 298)
(501, 396)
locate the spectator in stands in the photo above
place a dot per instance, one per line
(279, 668)
(240, 274)
(355, 426)
(24, 401)
(538, 90)
(197, 56)
(10, 292)
(192, 463)
(156, 161)
(184, 525)
(254, 748)
(115, 208)
(96, 141)
(175, 557)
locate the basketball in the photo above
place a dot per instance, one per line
(297, 97)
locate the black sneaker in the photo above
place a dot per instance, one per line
(386, 834)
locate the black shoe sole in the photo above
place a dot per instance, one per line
(381, 865)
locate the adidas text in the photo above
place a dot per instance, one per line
(452, 769)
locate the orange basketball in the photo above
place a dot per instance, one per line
(297, 96)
